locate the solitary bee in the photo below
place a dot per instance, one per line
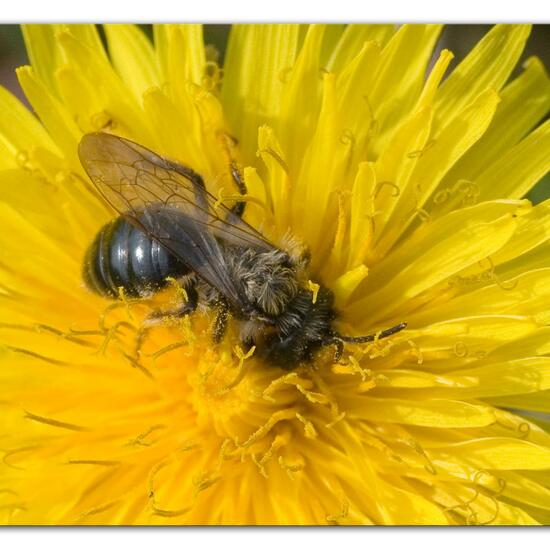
(171, 226)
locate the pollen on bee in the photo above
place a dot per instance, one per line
(241, 355)
(124, 299)
(314, 287)
(179, 288)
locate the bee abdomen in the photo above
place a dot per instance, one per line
(123, 256)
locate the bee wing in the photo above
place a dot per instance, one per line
(169, 202)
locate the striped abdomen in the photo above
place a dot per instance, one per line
(123, 256)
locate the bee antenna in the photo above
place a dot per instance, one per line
(371, 337)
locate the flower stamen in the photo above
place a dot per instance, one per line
(420, 152)
(342, 515)
(309, 429)
(395, 189)
(314, 287)
(140, 440)
(275, 418)
(35, 355)
(107, 463)
(53, 422)
(241, 366)
(277, 158)
(12, 452)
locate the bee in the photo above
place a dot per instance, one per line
(170, 226)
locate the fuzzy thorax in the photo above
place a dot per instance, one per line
(268, 279)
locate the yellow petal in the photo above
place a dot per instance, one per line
(401, 76)
(395, 166)
(488, 65)
(476, 507)
(523, 103)
(258, 60)
(532, 402)
(169, 139)
(180, 54)
(533, 229)
(537, 258)
(300, 100)
(526, 295)
(322, 175)
(88, 35)
(37, 202)
(532, 344)
(456, 343)
(331, 38)
(277, 179)
(353, 40)
(520, 168)
(445, 248)
(356, 116)
(501, 453)
(44, 53)
(362, 215)
(521, 376)
(434, 79)
(96, 96)
(387, 495)
(410, 508)
(346, 284)
(182, 61)
(453, 141)
(257, 210)
(52, 113)
(133, 57)
(433, 412)
(522, 489)
(402, 378)
(47, 264)
(19, 129)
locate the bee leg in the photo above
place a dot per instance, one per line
(238, 207)
(199, 188)
(220, 323)
(304, 258)
(227, 142)
(185, 309)
(339, 349)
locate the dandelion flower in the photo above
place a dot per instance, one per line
(408, 191)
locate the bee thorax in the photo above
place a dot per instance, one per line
(268, 279)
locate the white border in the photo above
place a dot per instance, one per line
(229, 538)
(223, 11)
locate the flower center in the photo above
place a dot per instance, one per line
(225, 392)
